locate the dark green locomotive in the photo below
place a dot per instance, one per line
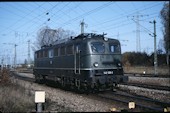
(88, 61)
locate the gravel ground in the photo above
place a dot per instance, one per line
(65, 101)
(163, 96)
(26, 75)
(150, 80)
(142, 80)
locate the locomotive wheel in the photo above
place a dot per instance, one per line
(71, 84)
(44, 80)
(86, 90)
(37, 79)
(114, 87)
(63, 82)
(96, 89)
(78, 87)
(77, 84)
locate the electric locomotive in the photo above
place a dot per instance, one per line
(86, 62)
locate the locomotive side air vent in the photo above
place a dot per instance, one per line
(45, 46)
(59, 41)
(89, 35)
(83, 35)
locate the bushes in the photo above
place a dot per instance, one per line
(13, 98)
(4, 76)
(142, 59)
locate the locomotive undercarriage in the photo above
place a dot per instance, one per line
(82, 82)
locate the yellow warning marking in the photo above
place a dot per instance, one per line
(167, 109)
(112, 109)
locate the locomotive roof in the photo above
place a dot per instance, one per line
(79, 37)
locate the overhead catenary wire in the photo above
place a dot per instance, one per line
(154, 5)
(32, 20)
(43, 23)
(117, 18)
(15, 23)
(34, 24)
(87, 13)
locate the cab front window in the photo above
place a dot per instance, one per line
(114, 48)
(97, 47)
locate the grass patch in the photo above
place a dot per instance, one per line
(13, 97)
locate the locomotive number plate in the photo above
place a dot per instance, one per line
(108, 72)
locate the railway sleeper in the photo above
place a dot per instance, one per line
(63, 81)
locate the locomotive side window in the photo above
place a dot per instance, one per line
(50, 53)
(35, 55)
(97, 47)
(114, 48)
(45, 54)
(62, 51)
(77, 49)
(69, 49)
(56, 52)
(40, 54)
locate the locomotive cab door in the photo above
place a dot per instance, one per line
(77, 59)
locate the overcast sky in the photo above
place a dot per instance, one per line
(20, 22)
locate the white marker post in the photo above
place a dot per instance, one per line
(131, 105)
(39, 99)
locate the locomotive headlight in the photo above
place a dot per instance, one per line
(105, 39)
(96, 64)
(119, 64)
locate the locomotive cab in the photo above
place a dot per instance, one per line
(103, 60)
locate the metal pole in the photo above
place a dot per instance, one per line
(39, 107)
(15, 57)
(137, 34)
(138, 45)
(28, 62)
(82, 26)
(155, 52)
(2, 65)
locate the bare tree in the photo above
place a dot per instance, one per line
(165, 21)
(47, 36)
(161, 48)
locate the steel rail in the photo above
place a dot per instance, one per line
(148, 86)
(146, 75)
(140, 106)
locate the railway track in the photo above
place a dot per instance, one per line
(146, 75)
(14, 74)
(157, 87)
(164, 88)
(126, 74)
(141, 103)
